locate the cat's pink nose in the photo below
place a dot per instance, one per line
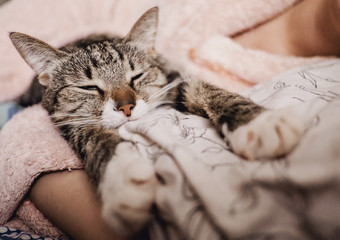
(126, 109)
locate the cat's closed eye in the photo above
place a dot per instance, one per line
(135, 77)
(92, 88)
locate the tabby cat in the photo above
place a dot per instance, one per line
(95, 85)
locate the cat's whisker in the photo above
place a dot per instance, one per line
(156, 104)
(61, 115)
(74, 119)
(69, 118)
(77, 122)
(165, 89)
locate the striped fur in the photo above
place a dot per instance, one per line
(94, 85)
(84, 75)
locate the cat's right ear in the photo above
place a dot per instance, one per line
(38, 55)
(144, 31)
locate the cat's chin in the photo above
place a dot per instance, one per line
(115, 119)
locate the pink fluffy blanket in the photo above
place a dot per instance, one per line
(192, 35)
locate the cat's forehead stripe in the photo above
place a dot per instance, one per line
(103, 53)
(94, 62)
(132, 66)
(88, 72)
(120, 54)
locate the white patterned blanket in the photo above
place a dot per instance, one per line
(208, 192)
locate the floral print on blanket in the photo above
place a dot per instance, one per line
(207, 192)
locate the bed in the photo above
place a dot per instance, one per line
(207, 192)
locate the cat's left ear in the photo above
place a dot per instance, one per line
(40, 56)
(143, 33)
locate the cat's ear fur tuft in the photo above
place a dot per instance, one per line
(143, 33)
(40, 56)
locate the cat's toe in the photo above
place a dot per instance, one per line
(271, 134)
(128, 193)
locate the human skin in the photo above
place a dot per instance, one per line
(70, 201)
(310, 28)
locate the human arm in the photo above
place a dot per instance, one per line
(310, 28)
(70, 201)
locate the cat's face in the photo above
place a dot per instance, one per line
(107, 82)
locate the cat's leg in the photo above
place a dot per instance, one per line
(252, 131)
(127, 190)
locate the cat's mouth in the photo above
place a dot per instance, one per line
(113, 119)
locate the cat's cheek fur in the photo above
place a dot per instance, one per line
(111, 118)
(127, 190)
(140, 110)
(271, 134)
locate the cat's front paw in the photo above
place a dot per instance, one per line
(271, 134)
(128, 192)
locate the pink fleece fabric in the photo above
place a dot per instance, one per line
(193, 35)
(23, 158)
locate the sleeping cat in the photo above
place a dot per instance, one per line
(95, 85)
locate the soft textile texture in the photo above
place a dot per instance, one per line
(24, 157)
(192, 35)
(208, 192)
